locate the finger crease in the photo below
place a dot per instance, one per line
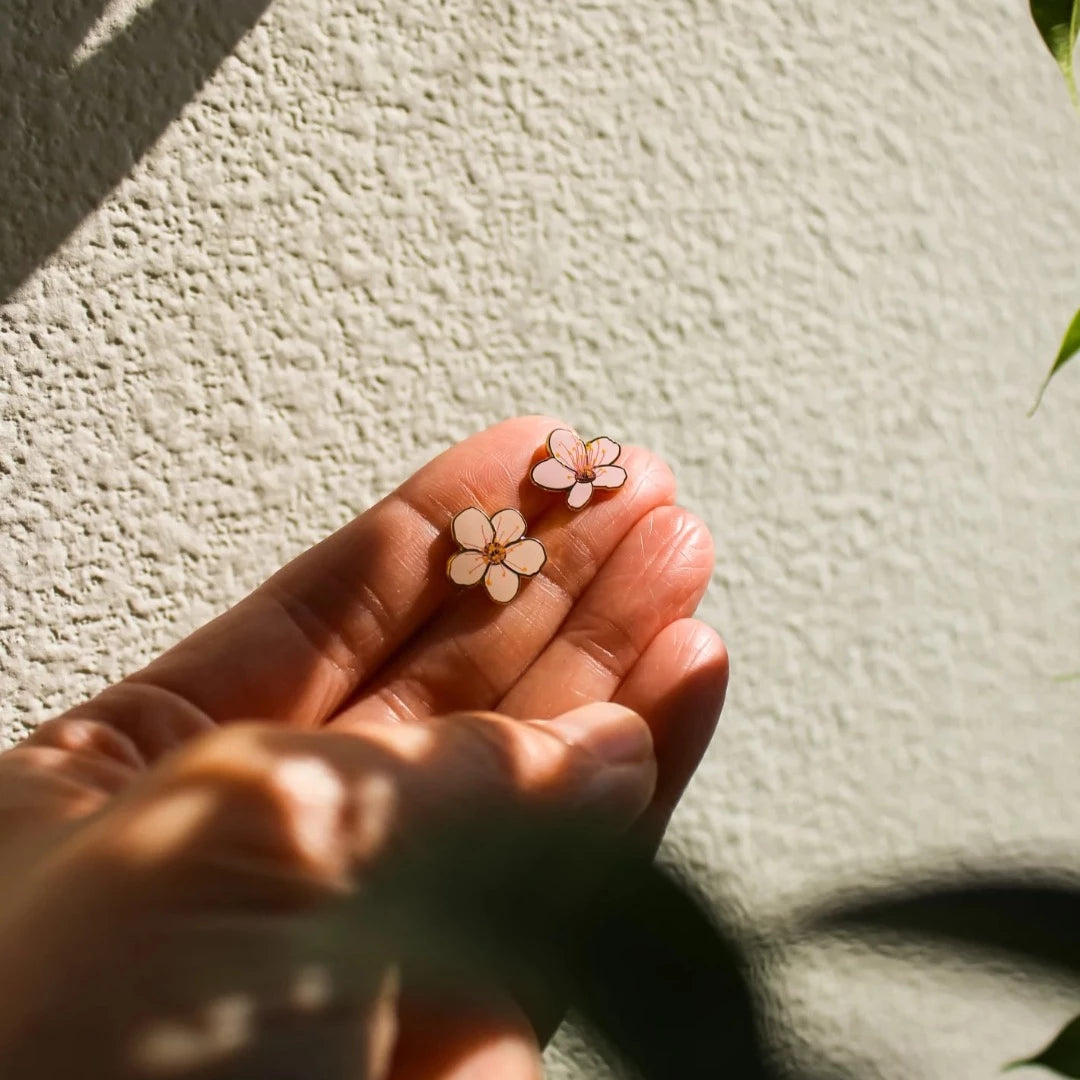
(613, 660)
(396, 705)
(144, 683)
(325, 639)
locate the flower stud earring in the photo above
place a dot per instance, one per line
(578, 466)
(494, 550)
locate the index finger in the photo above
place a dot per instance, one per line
(298, 646)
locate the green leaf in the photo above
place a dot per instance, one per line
(1061, 1056)
(1057, 22)
(1069, 346)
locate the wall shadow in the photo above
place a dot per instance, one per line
(70, 132)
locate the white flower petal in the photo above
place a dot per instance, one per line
(466, 568)
(567, 447)
(553, 475)
(610, 476)
(579, 495)
(526, 556)
(602, 451)
(509, 526)
(501, 583)
(472, 530)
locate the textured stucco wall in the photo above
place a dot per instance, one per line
(817, 252)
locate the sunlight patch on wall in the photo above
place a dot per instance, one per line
(116, 15)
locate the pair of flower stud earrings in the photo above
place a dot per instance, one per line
(496, 550)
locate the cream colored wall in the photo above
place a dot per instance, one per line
(817, 252)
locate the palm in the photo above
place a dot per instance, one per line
(365, 627)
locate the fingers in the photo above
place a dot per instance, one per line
(471, 655)
(303, 809)
(298, 646)
(65, 770)
(42, 787)
(598, 757)
(656, 576)
(252, 822)
(678, 685)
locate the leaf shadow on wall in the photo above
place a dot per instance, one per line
(70, 130)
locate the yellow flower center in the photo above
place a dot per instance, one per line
(586, 475)
(495, 552)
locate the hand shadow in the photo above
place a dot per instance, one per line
(70, 132)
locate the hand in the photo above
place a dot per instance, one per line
(149, 846)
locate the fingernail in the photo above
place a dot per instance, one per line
(615, 735)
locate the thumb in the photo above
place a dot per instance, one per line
(244, 825)
(598, 758)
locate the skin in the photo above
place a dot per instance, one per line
(156, 841)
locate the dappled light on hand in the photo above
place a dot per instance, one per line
(218, 849)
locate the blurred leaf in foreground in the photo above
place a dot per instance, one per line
(1062, 1055)
(1057, 23)
(1069, 346)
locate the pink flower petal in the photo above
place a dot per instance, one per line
(579, 496)
(472, 530)
(602, 451)
(553, 475)
(509, 526)
(466, 568)
(610, 476)
(567, 447)
(526, 556)
(501, 583)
